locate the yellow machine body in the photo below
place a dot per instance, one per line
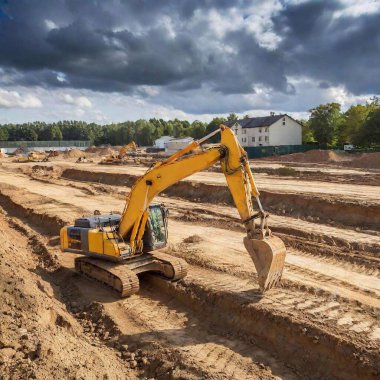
(99, 243)
(122, 154)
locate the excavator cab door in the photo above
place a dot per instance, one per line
(156, 231)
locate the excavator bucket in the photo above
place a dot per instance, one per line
(268, 255)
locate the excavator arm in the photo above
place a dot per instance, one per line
(124, 150)
(266, 250)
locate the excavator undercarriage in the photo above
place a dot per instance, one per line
(122, 277)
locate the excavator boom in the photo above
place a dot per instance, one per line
(266, 250)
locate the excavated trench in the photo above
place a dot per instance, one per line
(350, 246)
(231, 304)
(101, 327)
(129, 358)
(303, 346)
(322, 209)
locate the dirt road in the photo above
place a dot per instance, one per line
(366, 193)
(215, 323)
(339, 205)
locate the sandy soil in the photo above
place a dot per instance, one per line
(365, 193)
(214, 323)
(264, 182)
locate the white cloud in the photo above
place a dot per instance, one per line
(358, 7)
(259, 23)
(61, 77)
(255, 19)
(50, 24)
(79, 101)
(148, 90)
(13, 99)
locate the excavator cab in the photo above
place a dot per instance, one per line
(156, 230)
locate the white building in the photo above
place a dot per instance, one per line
(174, 145)
(160, 143)
(267, 131)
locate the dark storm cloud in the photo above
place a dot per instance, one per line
(338, 50)
(103, 51)
(120, 44)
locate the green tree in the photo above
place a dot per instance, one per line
(49, 133)
(353, 122)
(178, 129)
(324, 122)
(370, 133)
(144, 132)
(307, 133)
(232, 116)
(214, 125)
(4, 133)
(198, 129)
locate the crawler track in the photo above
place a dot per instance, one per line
(117, 277)
(122, 277)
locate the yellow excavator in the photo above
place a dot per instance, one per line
(118, 158)
(33, 156)
(115, 248)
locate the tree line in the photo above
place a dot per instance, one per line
(359, 125)
(143, 132)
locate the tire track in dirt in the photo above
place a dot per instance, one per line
(201, 348)
(317, 309)
(334, 277)
(60, 192)
(343, 237)
(293, 327)
(324, 201)
(293, 278)
(205, 352)
(351, 245)
(350, 205)
(196, 282)
(313, 236)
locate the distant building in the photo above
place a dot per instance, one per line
(160, 143)
(267, 131)
(174, 145)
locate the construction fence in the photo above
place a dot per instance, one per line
(44, 144)
(267, 151)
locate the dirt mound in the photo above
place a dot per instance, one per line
(74, 153)
(367, 161)
(91, 149)
(48, 171)
(101, 151)
(313, 156)
(364, 160)
(39, 338)
(193, 239)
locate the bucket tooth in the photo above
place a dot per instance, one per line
(268, 256)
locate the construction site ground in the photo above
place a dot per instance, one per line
(322, 322)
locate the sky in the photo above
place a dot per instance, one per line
(115, 60)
